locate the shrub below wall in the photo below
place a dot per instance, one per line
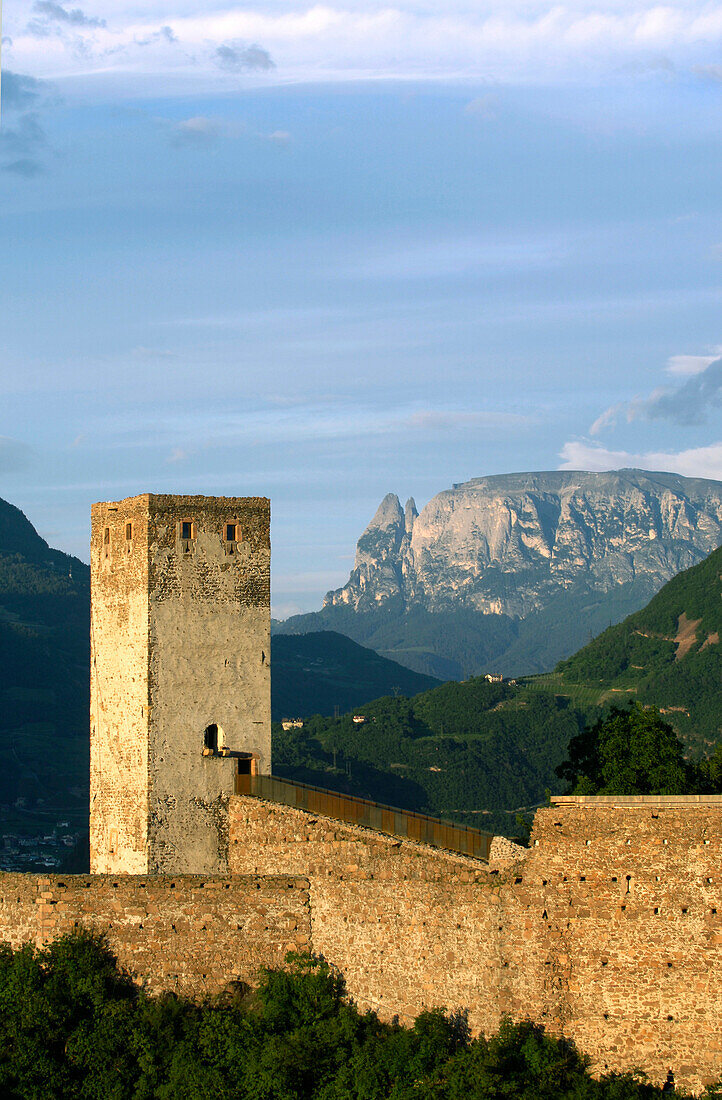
(74, 1025)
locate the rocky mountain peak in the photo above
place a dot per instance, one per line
(388, 513)
(508, 544)
(410, 515)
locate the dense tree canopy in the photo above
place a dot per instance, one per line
(74, 1027)
(629, 751)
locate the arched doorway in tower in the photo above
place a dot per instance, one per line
(213, 740)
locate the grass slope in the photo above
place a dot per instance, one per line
(668, 654)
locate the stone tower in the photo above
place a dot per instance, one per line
(180, 676)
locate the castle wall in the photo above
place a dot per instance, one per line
(119, 687)
(185, 934)
(608, 931)
(410, 927)
(627, 908)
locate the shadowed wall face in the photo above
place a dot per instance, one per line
(181, 671)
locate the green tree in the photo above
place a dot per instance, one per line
(74, 1027)
(629, 751)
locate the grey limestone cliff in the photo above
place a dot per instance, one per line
(507, 544)
(512, 572)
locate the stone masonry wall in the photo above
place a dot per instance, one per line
(410, 927)
(608, 931)
(627, 913)
(187, 934)
(119, 699)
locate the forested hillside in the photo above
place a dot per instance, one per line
(44, 657)
(475, 752)
(668, 654)
(321, 672)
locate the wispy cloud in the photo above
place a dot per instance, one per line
(306, 422)
(687, 404)
(237, 57)
(198, 130)
(708, 72)
(690, 403)
(528, 40)
(163, 34)
(23, 141)
(691, 364)
(695, 462)
(442, 257)
(484, 107)
(48, 12)
(202, 131)
(19, 91)
(14, 455)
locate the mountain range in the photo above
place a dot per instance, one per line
(513, 572)
(478, 751)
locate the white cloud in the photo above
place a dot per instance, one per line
(696, 462)
(528, 40)
(690, 364)
(198, 130)
(608, 418)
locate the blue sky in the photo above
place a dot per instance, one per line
(324, 252)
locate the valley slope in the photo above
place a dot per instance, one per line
(44, 692)
(324, 672)
(668, 654)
